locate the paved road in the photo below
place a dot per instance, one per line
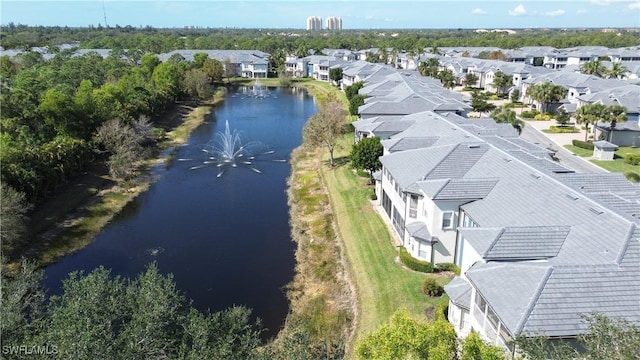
(565, 157)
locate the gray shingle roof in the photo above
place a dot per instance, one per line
(454, 189)
(404, 144)
(459, 292)
(510, 289)
(458, 162)
(419, 230)
(528, 242)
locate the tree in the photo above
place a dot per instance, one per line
(589, 114)
(403, 337)
(617, 71)
(470, 80)
(365, 155)
(22, 303)
(610, 338)
(479, 102)
(593, 67)
(474, 348)
(141, 318)
(335, 75)
(605, 338)
(614, 114)
(546, 93)
(324, 127)
(447, 78)
(199, 59)
(355, 102)
(124, 146)
(515, 95)
(506, 115)
(13, 212)
(563, 117)
(352, 90)
(196, 84)
(502, 82)
(214, 69)
(429, 67)
(229, 69)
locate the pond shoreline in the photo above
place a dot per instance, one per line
(100, 197)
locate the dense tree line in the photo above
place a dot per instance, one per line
(101, 316)
(60, 115)
(148, 39)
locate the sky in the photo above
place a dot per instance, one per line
(358, 14)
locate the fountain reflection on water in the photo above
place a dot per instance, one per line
(227, 149)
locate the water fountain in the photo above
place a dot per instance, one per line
(227, 149)
(258, 90)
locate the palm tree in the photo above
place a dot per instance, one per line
(506, 115)
(447, 78)
(546, 93)
(617, 71)
(589, 114)
(429, 67)
(593, 67)
(613, 115)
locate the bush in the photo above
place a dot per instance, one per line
(430, 287)
(632, 176)
(362, 173)
(440, 267)
(562, 129)
(542, 117)
(372, 194)
(582, 144)
(632, 159)
(494, 97)
(529, 114)
(413, 263)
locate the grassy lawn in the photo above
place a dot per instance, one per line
(382, 285)
(579, 151)
(618, 165)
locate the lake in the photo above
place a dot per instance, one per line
(225, 239)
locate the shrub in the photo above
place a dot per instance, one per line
(632, 176)
(562, 129)
(440, 267)
(542, 117)
(529, 114)
(494, 97)
(430, 287)
(362, 173)
(632, 159)
(372, 194)
(582, 144)
(413, 263)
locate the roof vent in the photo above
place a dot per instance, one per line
(572, 196)
(536, 176)
(596, 211)
(506, 159)
(474, 146)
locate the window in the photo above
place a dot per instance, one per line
(447, 220)
(413, 206)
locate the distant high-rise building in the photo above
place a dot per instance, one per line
(314, 23)
(334, 23)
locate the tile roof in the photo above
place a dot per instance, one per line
(459, 292)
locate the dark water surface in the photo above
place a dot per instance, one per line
(226, 240)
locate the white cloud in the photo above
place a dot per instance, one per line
(558, 12)
(581, 11)
(605, 2)
(519, 10)
(634, 6)
(478, 11)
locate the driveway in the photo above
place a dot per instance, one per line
(555, 142)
